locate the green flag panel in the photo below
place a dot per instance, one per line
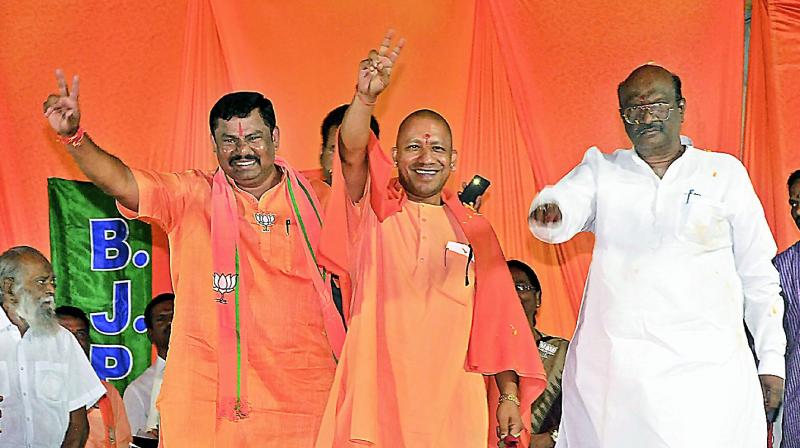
(102, 266)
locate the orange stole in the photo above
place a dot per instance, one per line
(287, 344)
(108, 421)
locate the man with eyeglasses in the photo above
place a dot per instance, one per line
(253, 314)
(682, 254)
(546, 410)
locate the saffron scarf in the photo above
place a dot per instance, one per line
(232, 275)
(109, 429)
(500, 338)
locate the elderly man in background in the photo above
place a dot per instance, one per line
(682, 254)
(45, 379)
(108, 422)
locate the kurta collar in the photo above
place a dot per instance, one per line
(6, 324)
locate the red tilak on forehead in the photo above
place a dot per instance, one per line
(241, 131)
(427, 137)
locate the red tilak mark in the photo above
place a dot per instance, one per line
(427, 137)
(241, 131)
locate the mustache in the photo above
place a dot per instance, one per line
(235, 159)
(644, 129)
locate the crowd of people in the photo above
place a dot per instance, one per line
(363, 304)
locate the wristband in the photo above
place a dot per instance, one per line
(75, 139)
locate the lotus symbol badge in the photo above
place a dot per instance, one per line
(224, 284)
(266, 220)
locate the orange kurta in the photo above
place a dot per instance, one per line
(401, 381)
(100, 436)
(290, 364)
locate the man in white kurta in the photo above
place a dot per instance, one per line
(682, 255)
(46, 380)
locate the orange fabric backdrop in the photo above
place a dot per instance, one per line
(772, 130)
(526, 93)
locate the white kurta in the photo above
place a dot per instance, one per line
(42, 379)
(138, 396)
(660, 358)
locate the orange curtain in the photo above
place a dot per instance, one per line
(772, 131)
(526, 85)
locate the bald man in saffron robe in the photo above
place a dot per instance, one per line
(431, 308)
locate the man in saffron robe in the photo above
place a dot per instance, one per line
(432, 305)
(255, 331)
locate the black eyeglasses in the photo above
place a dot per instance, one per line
(523, 287)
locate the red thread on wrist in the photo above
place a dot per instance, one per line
(75, 139)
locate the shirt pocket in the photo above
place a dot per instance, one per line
(459, 277)
(287, 248)
(50, 380)
(704, 222)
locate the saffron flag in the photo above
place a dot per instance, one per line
(102, 265)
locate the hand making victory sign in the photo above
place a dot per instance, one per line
(62, 110)
(103, 169)
(375, 71)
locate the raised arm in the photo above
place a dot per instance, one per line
(102, 168)
(373, 77)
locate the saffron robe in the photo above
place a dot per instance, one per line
(431, 310)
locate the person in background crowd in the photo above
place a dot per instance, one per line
(46, 380)
(546, 410)
(329, 131)
(108, 422)
(788, 265)
(138, 396)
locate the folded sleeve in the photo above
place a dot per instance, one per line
(83, 386)
(163, 196)
(575, 196)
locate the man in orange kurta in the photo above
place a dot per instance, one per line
(432, 308)
(255, 331)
